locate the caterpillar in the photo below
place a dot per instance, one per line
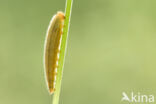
(52, 49)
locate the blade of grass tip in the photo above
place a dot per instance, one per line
(62, 51)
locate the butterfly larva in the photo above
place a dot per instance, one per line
(52, 49)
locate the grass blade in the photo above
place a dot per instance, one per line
(62, 51)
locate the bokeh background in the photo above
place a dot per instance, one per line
(111, 49)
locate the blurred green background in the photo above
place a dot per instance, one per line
(111, 49)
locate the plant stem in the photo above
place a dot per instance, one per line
(62, 51)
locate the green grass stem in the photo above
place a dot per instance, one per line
(62, 51)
